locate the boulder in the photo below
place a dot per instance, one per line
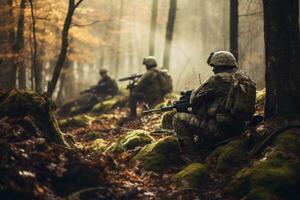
(133, 139)
(160, 155)
(274, 176)
(229, 156)
(20, 104)
(77, 121)
(107, 105)
(191, 176)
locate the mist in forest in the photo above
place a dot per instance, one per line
(201, 26)
(115, 35)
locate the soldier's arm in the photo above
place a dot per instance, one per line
(145, 80)
(205, 92)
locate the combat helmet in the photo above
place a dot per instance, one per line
(103, 71)
(150, 61)
(222, 58)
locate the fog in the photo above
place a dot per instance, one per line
(201, 27)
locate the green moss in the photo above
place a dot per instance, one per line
(229, 156)
(93, 135)
(160, 155)
(77, 121)
(191, 176)
(167, 120)
(288, 141)
(260, 96)
(274, 175)
(105, 106)
(130, 141)
(19, 103)
(99, 145)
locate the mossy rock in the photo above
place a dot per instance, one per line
(99, 145)
(131, 140)
(191, 176)
(288, 141)
(260, 96)
(160, 155)
(275, 176)
(93, 135)
(108, 105)
(77, 121)
(20, 103)
(167, 120)
(229, 156)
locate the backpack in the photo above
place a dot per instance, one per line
(241, 97)
(165, 81)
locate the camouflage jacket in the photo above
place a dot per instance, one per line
(107, 86)
(209, 98)
(149, 83)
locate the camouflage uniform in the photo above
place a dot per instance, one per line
(106, 87)
(210, 121)
(148, 89)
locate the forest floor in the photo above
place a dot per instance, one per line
(127, 177)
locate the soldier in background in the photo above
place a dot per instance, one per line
(218, 112)
(151, 88)
(105, 89)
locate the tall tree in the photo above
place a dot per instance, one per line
(169, 33)
(118, 42)
(64, 46)
(7, 65)
(153, 28)
(282, 58)
(19, 45)
(234, 28)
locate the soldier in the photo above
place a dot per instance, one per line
(106, 88)
(151, 88)
(214, 117)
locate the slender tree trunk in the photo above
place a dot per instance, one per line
(64, 47)
(169, 33)
(118, 53)
(34, 63)
(7, 65)
(282, 58)
(19, 46)
(153, 27)
(234, 28)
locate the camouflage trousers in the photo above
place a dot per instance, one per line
(136, 97)
(190, 129)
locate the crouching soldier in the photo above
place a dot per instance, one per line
(221, 106)
(151, 88)
(106, 88)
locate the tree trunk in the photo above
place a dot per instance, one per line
(282, 59)
(234, 28)
(169, 33)
(153, 28)
(118, 52)
(64, 47)
(19, 46)
(7, 65)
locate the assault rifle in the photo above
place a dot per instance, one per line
(181, 105)
(133, 80)
(133, 77)
(95, 88)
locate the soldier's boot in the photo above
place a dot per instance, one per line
(133, 108)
